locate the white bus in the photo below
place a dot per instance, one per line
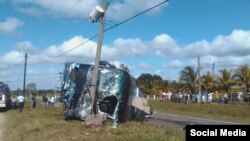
(5, 102)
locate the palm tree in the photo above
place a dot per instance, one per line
(165, 85)
(243, 76)
(189, 76)
(157, 83)
(225, 79)
(150, 84)
(208, 82)
(173, 86)
(144, 83)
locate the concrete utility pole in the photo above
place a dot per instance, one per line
(213, 68)
(199, 77)
(97, 60)
(24, 77)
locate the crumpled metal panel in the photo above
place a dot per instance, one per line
(115, 92)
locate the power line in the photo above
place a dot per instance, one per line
(96, 35)
(113, 27)
(136, 15)
(69, 10)
(62, 33)
(50, 5)
(75, 47)
(39, 23)
(118, 24)
(47, 19)
(63, 15)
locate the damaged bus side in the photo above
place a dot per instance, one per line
(118, 96)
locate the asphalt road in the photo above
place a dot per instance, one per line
(180, 121)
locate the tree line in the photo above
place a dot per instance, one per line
(226, 81)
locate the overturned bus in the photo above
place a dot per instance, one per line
(117, 94)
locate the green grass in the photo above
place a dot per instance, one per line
(49, 125)
(226, 112)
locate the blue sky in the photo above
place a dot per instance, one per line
(162, 41)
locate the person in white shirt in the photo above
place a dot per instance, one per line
(20, 100)
(13, 102)
(52, 100)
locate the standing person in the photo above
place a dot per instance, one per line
(216, 96)
(33, 100)
(49, 100)
(186, 98)
(52, 100)
(20, 100)
(45, 100)
(13, 102)
(161, 97)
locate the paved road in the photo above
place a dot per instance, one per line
(180, 121)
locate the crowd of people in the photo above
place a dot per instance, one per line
(50, 101)
(204, 97)
(17, 102)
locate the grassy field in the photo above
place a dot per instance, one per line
(48, 124)
(226, 112)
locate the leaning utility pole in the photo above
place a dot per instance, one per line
(24, 78)
(97, 60)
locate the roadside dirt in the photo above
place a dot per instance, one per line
(159, 123)
(180, 121)
(2, 119)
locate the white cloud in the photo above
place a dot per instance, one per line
(12, 58)
(234, 45)
(120, 11)
(109, 53)
(165, 45)
(226, 51)
(120, 48)
(72, 8)
(10, 25)
(74, 49)
(237, 44)
(81, 8)
(128, 8)
(30, 11)
(145, 4)
(33, 72)
(174, 64)
(84, 52)
(25, 46)
(130, 47)
(47, 71)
